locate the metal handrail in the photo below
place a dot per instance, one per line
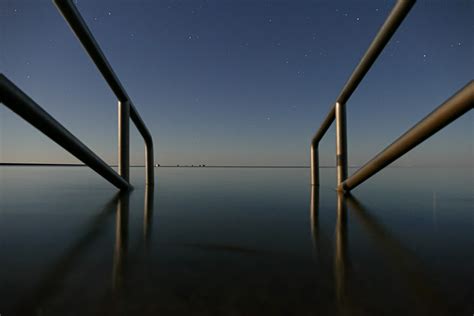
(393, 21)
(453, 108)
(29, 110)
(449, 111)
(126, 108)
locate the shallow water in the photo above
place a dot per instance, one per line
(216, 241)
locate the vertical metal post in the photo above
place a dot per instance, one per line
(314, 164)
(453, 108)
(17, 101)
(124, 139)
(149, 164)
(383, 36)
(341, 143)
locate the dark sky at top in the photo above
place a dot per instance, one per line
(238, 82)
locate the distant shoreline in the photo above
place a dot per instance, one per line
(26, 164)
(35, 164)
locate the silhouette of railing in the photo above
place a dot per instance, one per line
(29, 110)
(126, 108)
(24, 106)
(452, 109)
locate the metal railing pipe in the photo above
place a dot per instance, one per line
(324, 126)
(25, 107)
(341, 143)
(453, 108)
(79, 27)
(81, 30)
(124, 139)
(314, 165)
(149, 155)
(315, 147)
(391, 24)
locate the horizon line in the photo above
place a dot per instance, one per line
(41, 164)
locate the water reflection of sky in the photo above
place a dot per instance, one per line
(236, 241)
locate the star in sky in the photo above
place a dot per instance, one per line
(294, 59)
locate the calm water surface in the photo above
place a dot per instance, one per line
(215, 241)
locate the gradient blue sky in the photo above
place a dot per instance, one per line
(237, 82)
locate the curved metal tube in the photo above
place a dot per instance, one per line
(453, 108)
(79, 27)
(391, 24)
(30, 111)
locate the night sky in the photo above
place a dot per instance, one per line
(237, 82)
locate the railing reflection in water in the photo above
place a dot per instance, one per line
(341, 257)
(121, 247)
(121, 239)
(50, 284)
(400, 259)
